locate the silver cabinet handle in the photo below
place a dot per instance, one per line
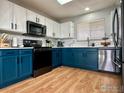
(15, 26)
(11, 25)
(38, 20)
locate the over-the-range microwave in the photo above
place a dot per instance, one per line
(36, 29)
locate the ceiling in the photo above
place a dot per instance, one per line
(74, 8)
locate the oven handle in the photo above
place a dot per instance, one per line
(116, 64)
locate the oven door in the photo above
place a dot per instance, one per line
(42, 58)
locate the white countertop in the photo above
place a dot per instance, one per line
(18, 48)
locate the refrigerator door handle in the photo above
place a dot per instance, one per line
(117, 64)
(115, 38)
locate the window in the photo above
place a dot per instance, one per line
(93, 30)
(83, 31)
(97, 29)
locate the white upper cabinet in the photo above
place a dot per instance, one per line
(41, 19)
(49, 25)
(31, 16)
(56, 30)
(12, 17)
(19, 18)
(34, 17)
(67, 30)
(5, 14)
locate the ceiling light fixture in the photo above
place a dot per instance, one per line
(62, 2)
(87, 9)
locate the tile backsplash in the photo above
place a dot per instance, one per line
(21, 37)
(67, 42)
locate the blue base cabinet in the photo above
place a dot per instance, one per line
(15, 65)
(85, 58)
(25, 60)
(56, 57)
(8, 69)
(68, 57)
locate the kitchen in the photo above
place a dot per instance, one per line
(72, 46)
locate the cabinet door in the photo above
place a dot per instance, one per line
(49, 24)
(25, 65)
(56, 57)
(79, 60)
(41, 19)
(9, 68)
(68, 57)
(64, 30)
(20, 18)
(91, 60)
(31, 16)
(5, 14)
(71, 33)
(56, 30)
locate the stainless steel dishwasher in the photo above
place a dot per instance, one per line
(106, 60)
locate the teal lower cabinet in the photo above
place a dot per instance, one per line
(56, 57)
(14, 66)
(85, 58)
(25, 60)
(68, 57)
(8, 69)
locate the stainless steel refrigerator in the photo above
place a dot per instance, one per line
(116, 32)
(122, 33)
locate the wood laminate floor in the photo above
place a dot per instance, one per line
(68, 80)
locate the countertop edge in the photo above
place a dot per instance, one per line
(17, 48)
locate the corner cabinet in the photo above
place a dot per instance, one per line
(14, 66)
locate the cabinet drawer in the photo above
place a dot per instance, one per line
(25, 52)
(8, 52)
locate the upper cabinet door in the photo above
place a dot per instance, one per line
(20, 18)
(64, 30)
(71, 34)
(49, 24)
(56, 30)
(67, 30)
(41, 19)
(31, 16)
(5, 14)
